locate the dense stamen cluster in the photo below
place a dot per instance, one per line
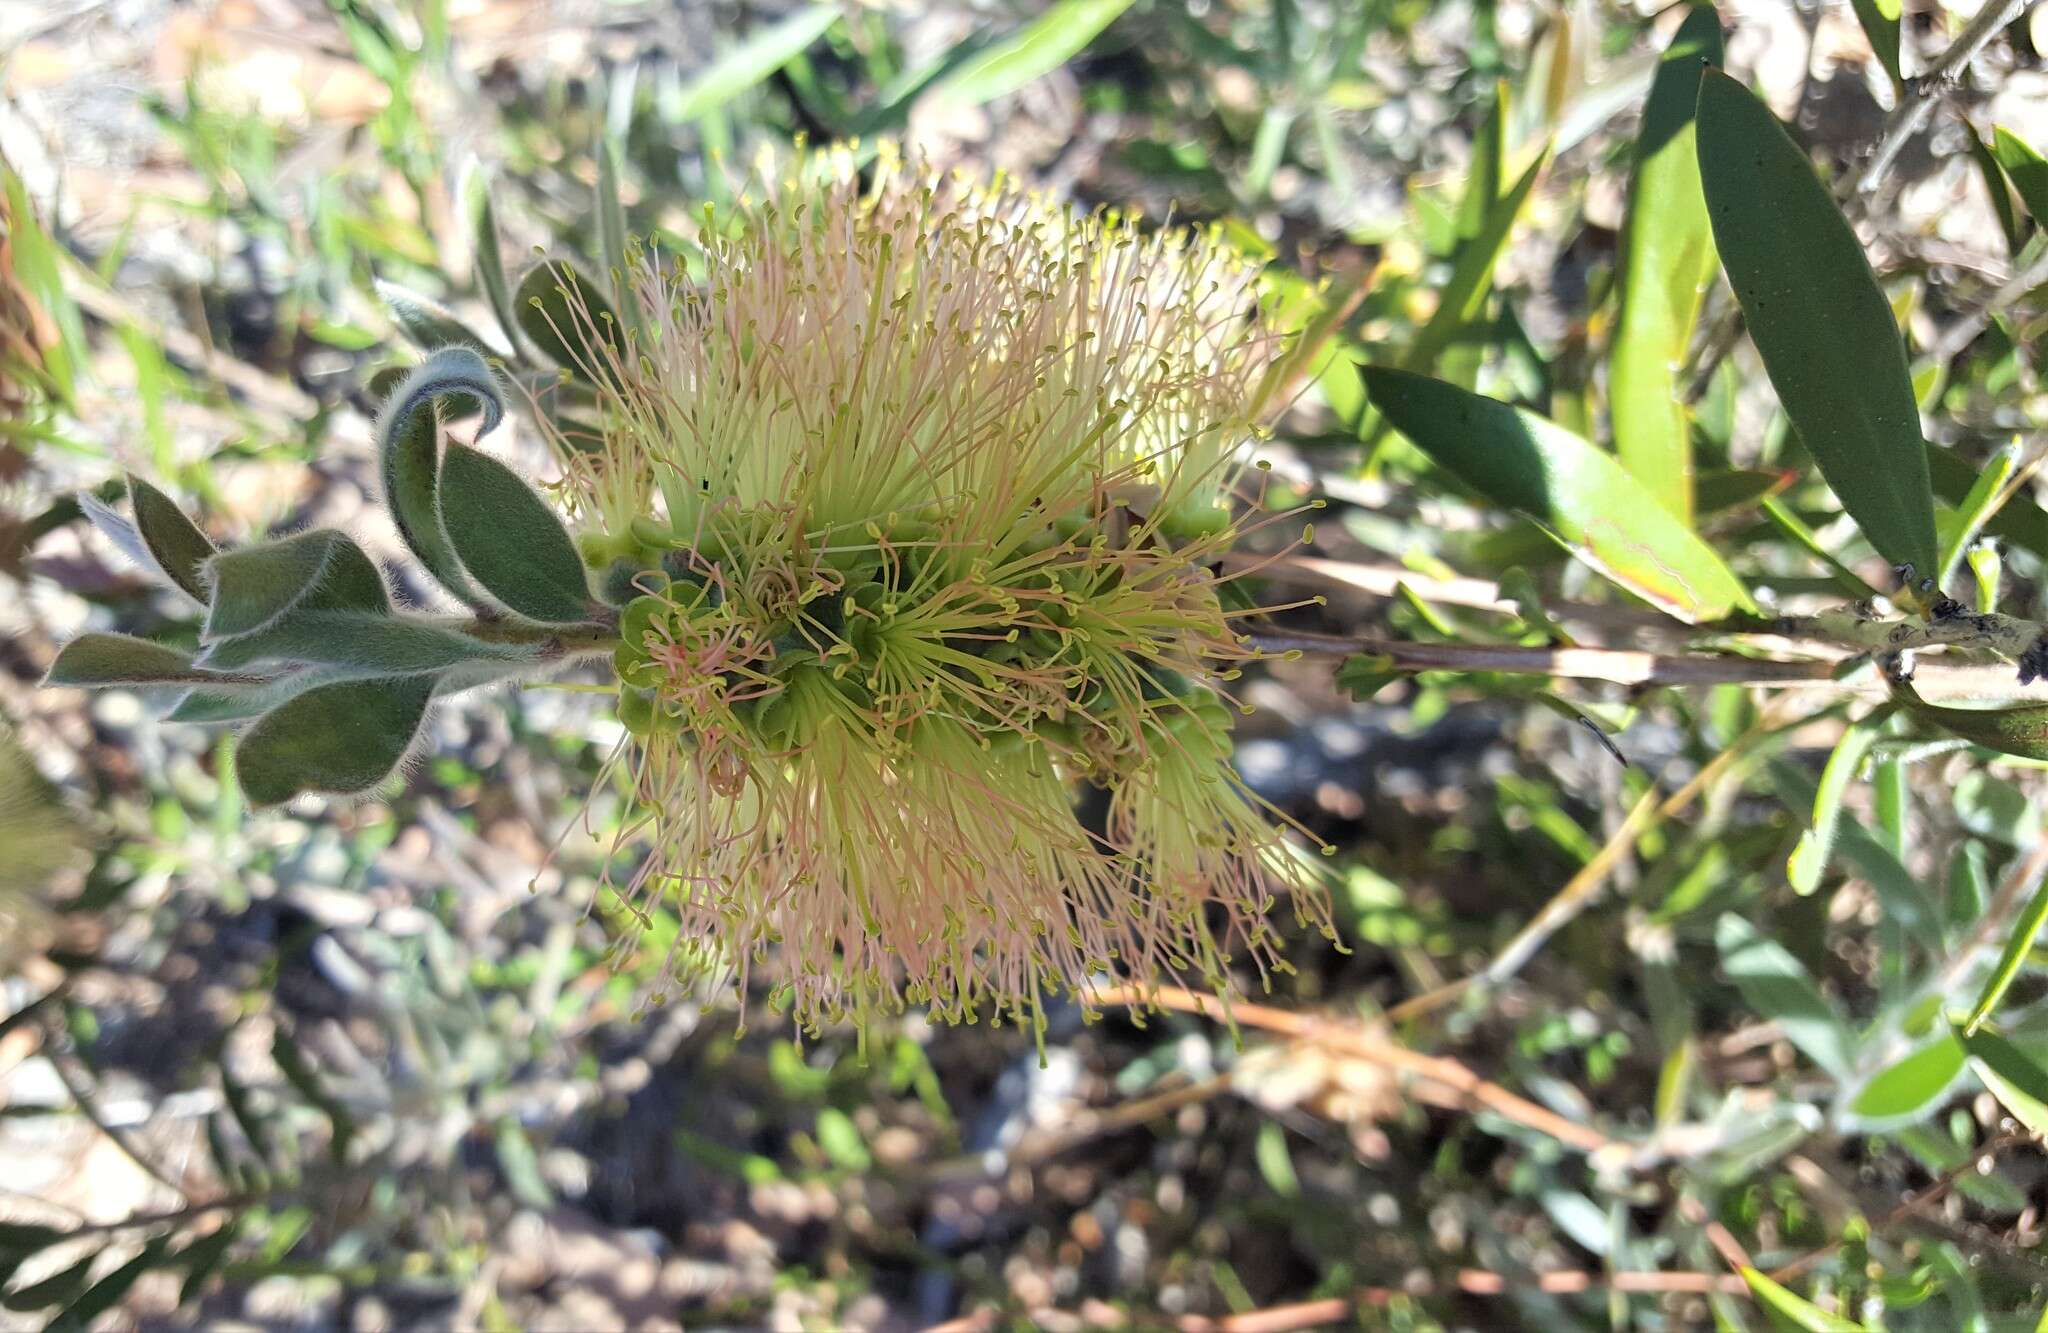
(928, 483)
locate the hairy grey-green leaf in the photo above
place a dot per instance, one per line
(409, 455)
(174, 542)
(94, 660)
(568, 318)
(256, 586)
(426, 323)
(509, 540)
(366, 641)
(341, 739)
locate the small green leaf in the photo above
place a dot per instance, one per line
(1464, 295)
(567, 317)
(1029, 54)
(1668, 262)
(1993, 175)
(1823, 328)
(1276, 1164)
(2025, 168)
(256, 586)
(1809, 860)
(427, 324)
(2017, 946)
(1792, 1311)
(206, 706)
(341, 739)
(753, 60)
(1581, 494)
(520, 1165)
(92, 661)
(490, 255)
(1777, 986)
(2020, 731)
(841, 1140)
(2020, 520)
(510, 541)
(1977, 508)
(2020, 1085)
(1912, 1084)
(174, 542)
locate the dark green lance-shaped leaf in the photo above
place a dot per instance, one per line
(174, 542)
(366, 642)
(2020, 1085)
(1823, 328)
(2020, 520)
(2025, 168)
(753, 60)
(427, 324)
(490, 254)
(2017, 946)
(1912, 1085)
(95, 660)
(1581, 494)
(1668, 260)
(1778, 986)
(1032, 52)
(1789, 1310)
(409, 454)
(340, 739)
(203, 1257)
(509, 540)
(257, 586)
(567, 316)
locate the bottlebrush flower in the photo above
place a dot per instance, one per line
(936, 476)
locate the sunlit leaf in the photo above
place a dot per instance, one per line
(1033, 51)
(753, 60)
(509, 540)
(1779, 987)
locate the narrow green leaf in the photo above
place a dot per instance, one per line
(174, 542)
(92, 661)
(1793, 1311)
(1809, 860)
(1848, 580)
(1823, 328)
(2025, 168)
(1464, 295)
(2010, 223)
(340, 739)
(1667, 263)
(2020, 1085)
(39, 261)
(1912, 1085)
(409, 454)
(1581, 494)
(2020, 731)
(2010, 960)
(426, 323)
(1777, 986)
(510, 541)
(1032, 52)
(1977, 508)
(567, 317)
(520, 1165)
(1489, 168)
(1880, 20)
(490, 254)
(753, 61)
(256, 586)
(2020, 521)
(1275, 1163)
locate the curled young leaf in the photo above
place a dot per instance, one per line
(409, 455)
(341, 739)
